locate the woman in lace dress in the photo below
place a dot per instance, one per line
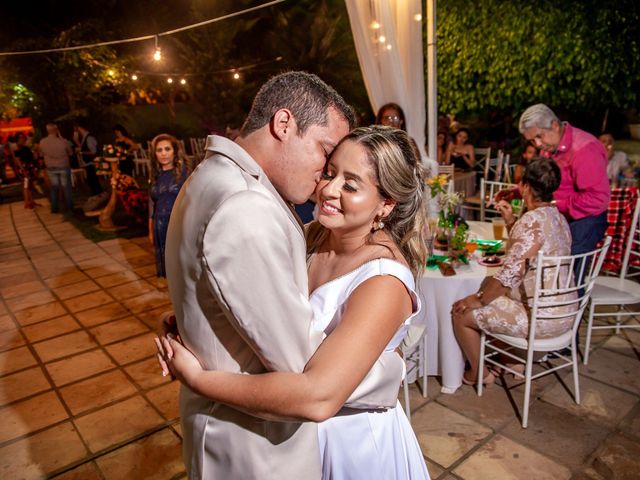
(502, 303)
(365, 251)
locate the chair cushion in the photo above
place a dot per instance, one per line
(541, 344)
(615, 290)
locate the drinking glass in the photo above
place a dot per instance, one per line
(498, 227)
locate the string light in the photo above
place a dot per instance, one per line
(382, 39)
(183, 81)
(169, 80)
(417, 17)
(111, 73)
(236, 76)
(134, 77)
(157, 54)
(389, 47)
(375, 25)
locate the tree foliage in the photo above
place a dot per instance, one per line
(507, 54)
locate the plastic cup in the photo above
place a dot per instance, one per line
(498, 227)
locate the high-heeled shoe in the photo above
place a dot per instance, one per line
(488, 380)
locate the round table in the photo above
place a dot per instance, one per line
(437, 294)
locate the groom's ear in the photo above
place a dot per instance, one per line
(282, 124)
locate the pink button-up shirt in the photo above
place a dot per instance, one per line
(584, 189)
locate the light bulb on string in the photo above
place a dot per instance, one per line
(183, 82)
(134, 77)
(157, 54)
(375, 25)
(169, 80)
(417, 17)
(236, 76)
(382, 39)
(111, 73)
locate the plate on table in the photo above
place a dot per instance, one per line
(490, 261)
(489, 245)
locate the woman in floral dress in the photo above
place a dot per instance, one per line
(502, 303)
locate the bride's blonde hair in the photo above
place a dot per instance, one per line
(399, 175)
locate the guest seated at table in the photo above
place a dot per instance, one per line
(529, 153)
(460, 153)
(441, 146)
(125, 142)
(618, 160)
(501, 304)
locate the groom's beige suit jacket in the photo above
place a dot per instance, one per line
(237, 275)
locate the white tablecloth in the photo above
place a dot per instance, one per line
(437, 294)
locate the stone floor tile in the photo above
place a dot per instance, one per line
(166, 399)
(42, 249)
(599, 402)
(84, 252)
(156, 457)
(16, 359)
(117, 278)
(37, 456)
(31, 300)
(52, 269)
(618, 458)
(96, 261)
(50, 328)
(11, 339)
(178, 429)
(117, 423)
(76, 289)
(614, 369)
(15, 268)
(445, 435)
(25, 288)
(416, 400)
(30, 415)
(553, 432)
(131, 289)
(105, 313)
(133, 349)
(18, 278)
(68, 277)
(107, 269)
(118, 330)
(631, 424)
(506, 459)
(22, 384)
(146, 374)
(493, 408)
(7, 323)
(147, 301)
(86, 471)
(146, 271)
(63, 346)
(40, 258)
(79, 366)
(151, 317)
(96, 391)
(433, 468)
(90, 300)
(40, 313)
(627, 342)
(140, 260)
(159, 282)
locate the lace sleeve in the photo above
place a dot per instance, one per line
(527, 238)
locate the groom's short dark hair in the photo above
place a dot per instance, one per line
(304, 94)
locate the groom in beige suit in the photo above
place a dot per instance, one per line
(237, 277)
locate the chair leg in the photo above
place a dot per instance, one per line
(481, 363)
(587, 344)
(618, 320)
(423, 357)
(527, 388)
(407, 404)
(574, 367)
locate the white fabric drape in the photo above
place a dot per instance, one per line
(388, 39)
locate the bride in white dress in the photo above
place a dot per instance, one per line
(364, 252)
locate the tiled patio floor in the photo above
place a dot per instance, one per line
(81, 396)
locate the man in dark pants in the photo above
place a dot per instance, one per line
(87, 147)
(584, 192)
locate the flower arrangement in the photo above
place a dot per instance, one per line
(452, 227)
(109, 150)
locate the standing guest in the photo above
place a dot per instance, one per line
(529, 153)
(169, 170)
(441, 146)
(124, 141)
(237, 274)
(460, 153)
(618, 160)
(56, 152)
(27, 166)
(584, 193)
(87, 148)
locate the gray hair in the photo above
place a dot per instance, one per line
(538, 115)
